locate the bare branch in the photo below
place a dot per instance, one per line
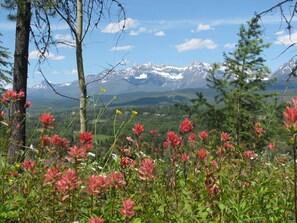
(109, 71)
(51, 86)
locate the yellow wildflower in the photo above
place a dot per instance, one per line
(17, 165)
(134, 112)
(118, 112)
(102, 90)
(10, 181)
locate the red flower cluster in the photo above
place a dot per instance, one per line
(290, 115)
(47, 120)
(271, 146)
(192, 137)
(77, 154)
(173, 139)
(185, 157)
(128, 208)
(138, 129)
(116, 179)
(249, 154)
(96, 220)
(96, 183)
(58, 141)
(212, 184)
(259, 130)
(186, 126)
(224, 136)
(85, 138)
(146, 170)
(203, 136)
(52, 175)
(68, 182)
(202, 154)
(11, 95)
(29, 165)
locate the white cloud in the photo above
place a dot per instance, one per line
(203, 27)
(34, 55)
(160, 33)
(121, 48)
(287, 39)
(65, 72)
(118, 27)
(194, 44)
(230, 45)
(133, 33)
(281, 32)
(65, 40)
(73, 71)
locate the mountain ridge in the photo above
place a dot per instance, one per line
(146, 77)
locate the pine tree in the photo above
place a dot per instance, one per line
(5, 67)
(241, 100)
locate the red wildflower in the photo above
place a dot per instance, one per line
(78, 154)
(147, 170)
(14, 173)
(52, 175)
(154, 132)
(93, 184)
(29, 165)
(259, 130)
(249, 154)
(125, 161)
(28, 104)
(203, 136)
(138, 129)
(128, 208)
(10, 94)
(165, 144)
(212, 184)
(21, 94)
(185, 157)
(68, 182)
(173, 139)
(47, 120)
(271, 146)
(2, 114)
(202, 154)
(192, 137)
(186, 126)
(86, 138)
(214, 163)
(224, 136)
(291, 117)
(57, 140)
(96, 220)
(116, 179)
(46, 140)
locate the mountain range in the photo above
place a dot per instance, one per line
(148, 78)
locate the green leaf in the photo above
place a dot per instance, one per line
(136, 220)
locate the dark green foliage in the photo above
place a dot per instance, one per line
(5, 66)
(241, 100)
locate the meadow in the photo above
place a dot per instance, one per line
(147, 164)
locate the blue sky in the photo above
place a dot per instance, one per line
(173, 32)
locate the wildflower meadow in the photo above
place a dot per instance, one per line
(194, 175)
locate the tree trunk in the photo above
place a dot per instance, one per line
(20, 74)
(80, 70)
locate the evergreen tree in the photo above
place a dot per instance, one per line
(241, 100)
(5, 67)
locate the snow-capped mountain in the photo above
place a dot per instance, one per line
(139, 78)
